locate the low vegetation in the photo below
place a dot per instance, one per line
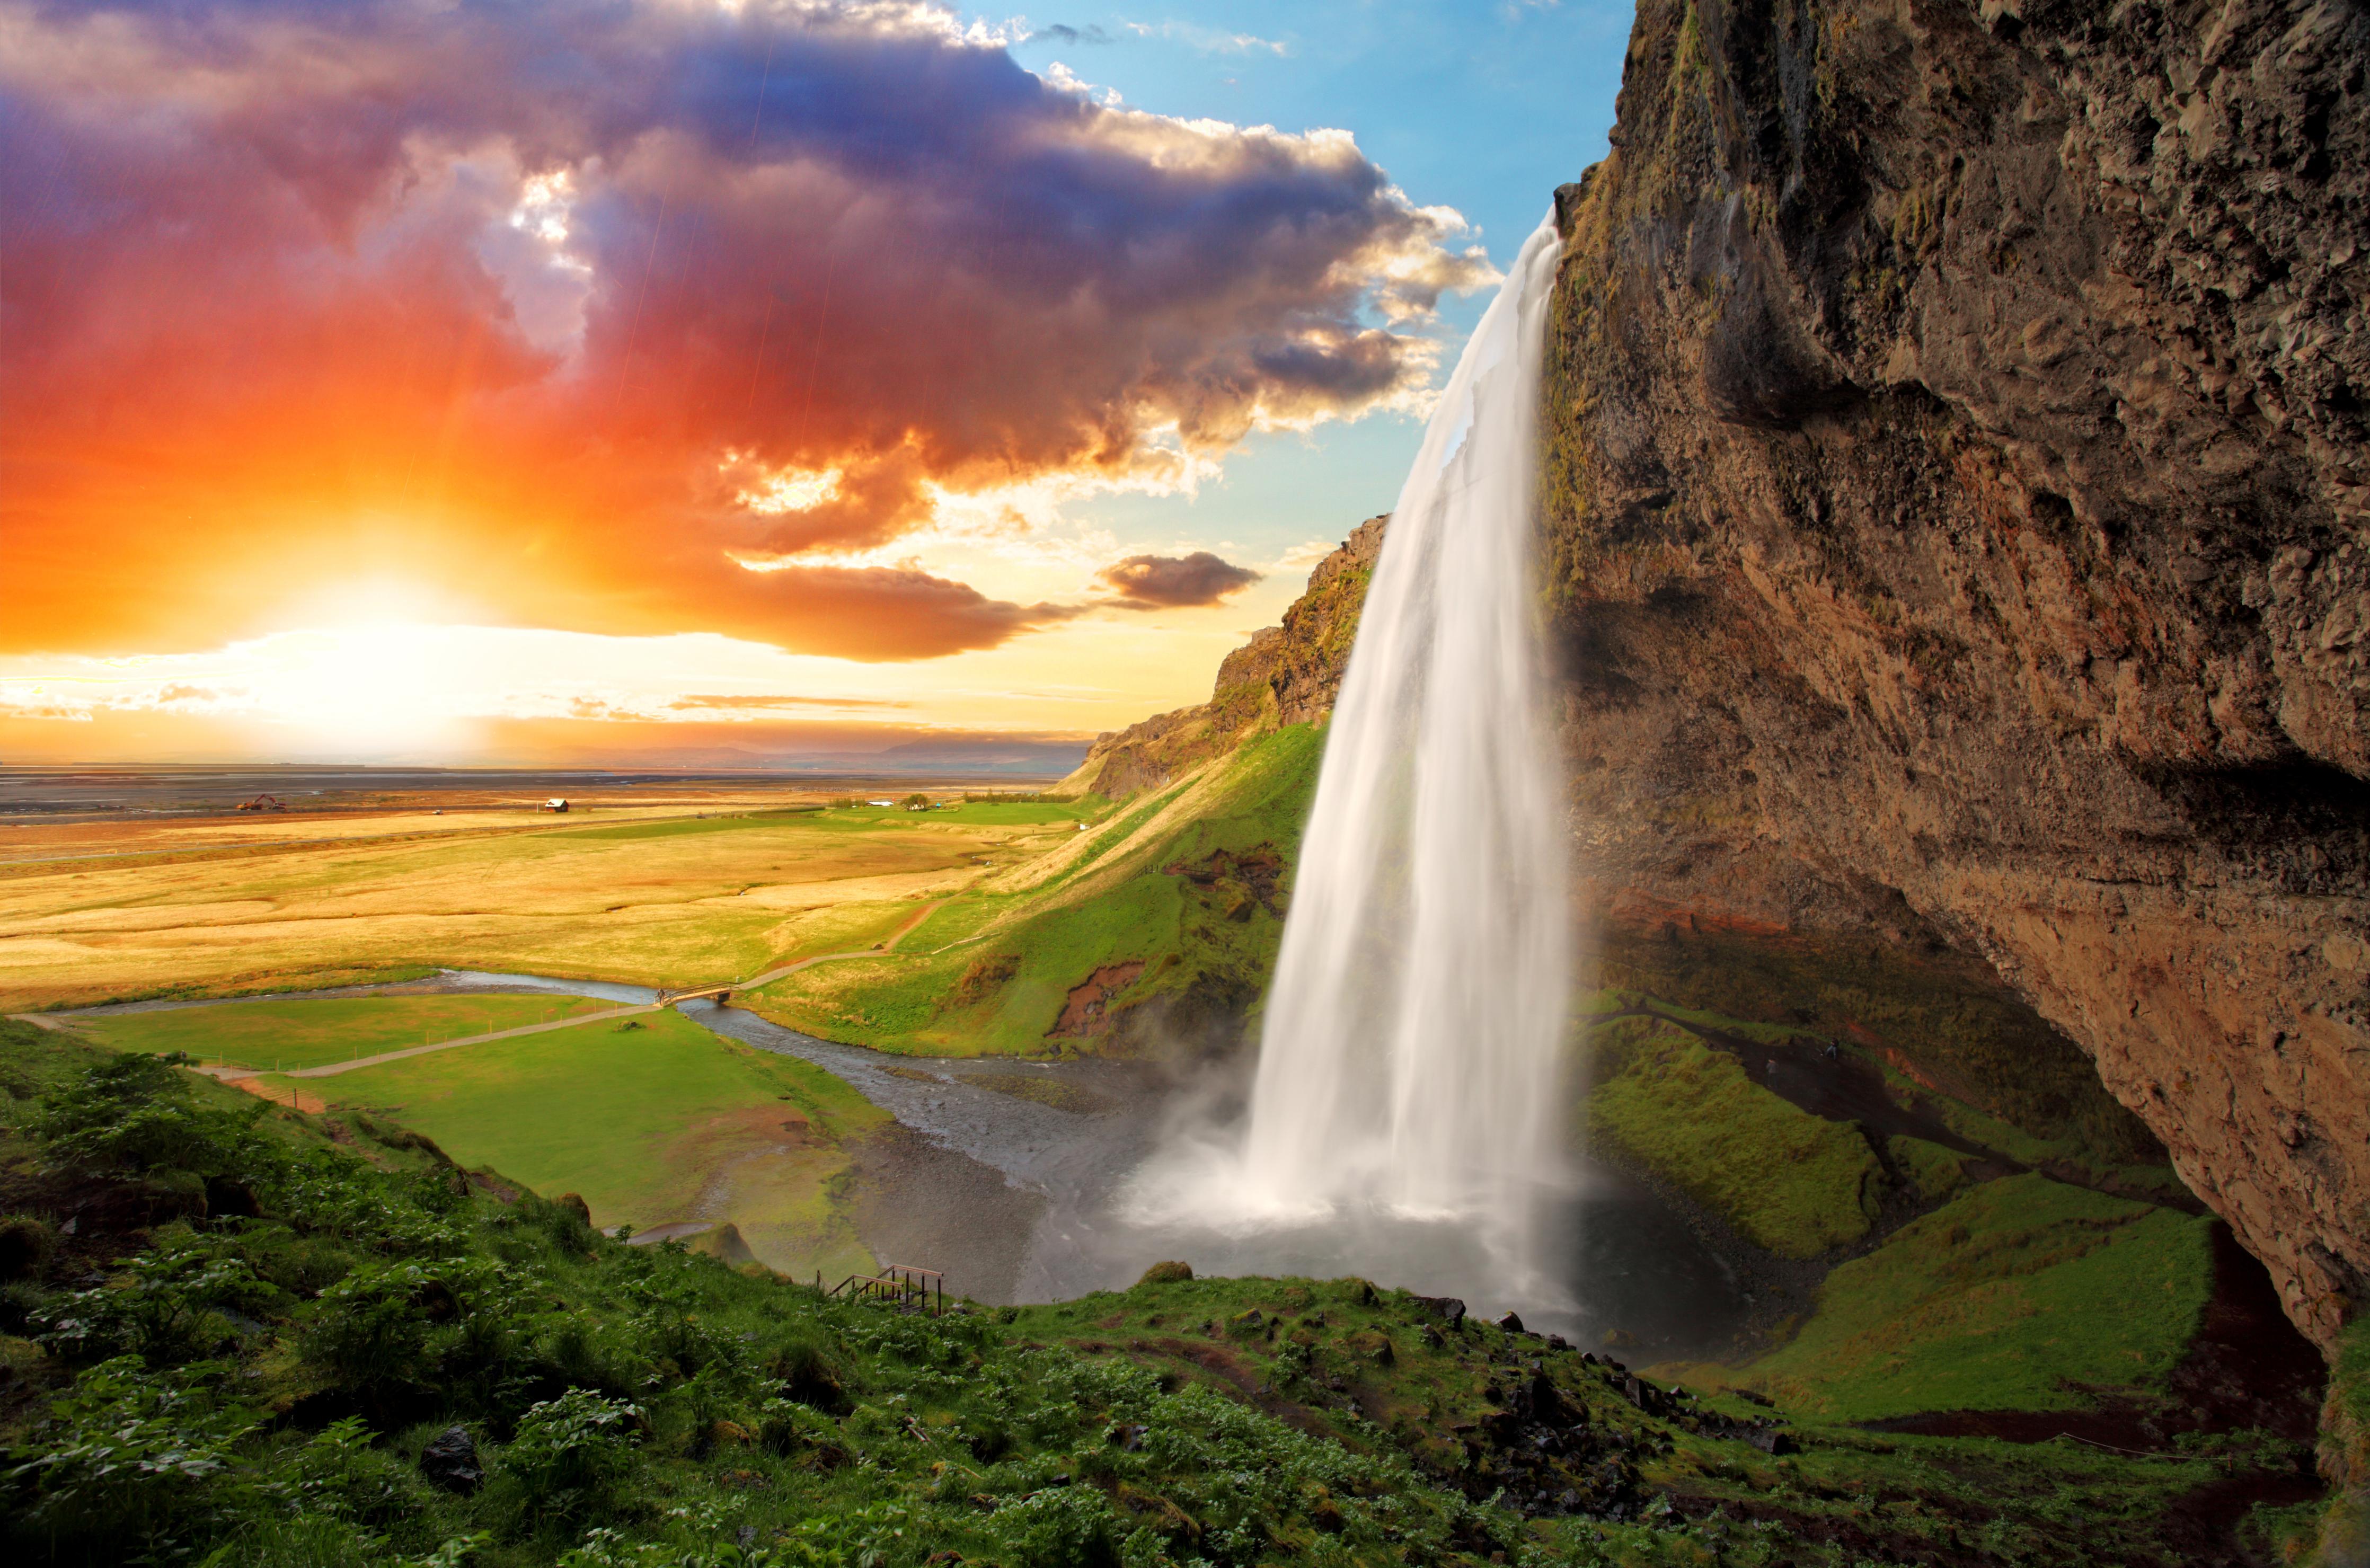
(2024, 1293)
(277, 1340)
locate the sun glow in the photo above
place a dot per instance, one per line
(789, 490)
(381, 684)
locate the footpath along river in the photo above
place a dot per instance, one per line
(1011, 1176)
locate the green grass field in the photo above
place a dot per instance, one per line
(1788, 1181)
(276, 1035)
(2024, 1293)
(651, 1124)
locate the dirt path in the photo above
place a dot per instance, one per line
(899, 934)
(333, 1069)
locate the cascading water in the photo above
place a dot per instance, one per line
(1408, 1064)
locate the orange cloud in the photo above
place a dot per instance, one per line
(564, 311)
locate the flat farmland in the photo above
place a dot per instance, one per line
(651, 1119)
(652, 899)
(318, 1032)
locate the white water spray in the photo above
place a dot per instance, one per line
(1409, 1058)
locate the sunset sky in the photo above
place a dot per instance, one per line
(585, 381)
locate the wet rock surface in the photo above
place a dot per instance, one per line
(1954, 483)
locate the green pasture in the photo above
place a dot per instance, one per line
(2024, 1293)
(1787, 1180)
(295, 1034)
(651, 1119)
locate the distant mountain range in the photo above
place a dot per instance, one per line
(961, 755)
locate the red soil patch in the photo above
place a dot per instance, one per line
(1087, 1008)
(754, 1124)
(1650, 914)
(280, 1094)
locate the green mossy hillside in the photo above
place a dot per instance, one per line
(2023, 1294)
(1791, 1183)
(1156, 927)
(1708, 1478)
(1941, 1016)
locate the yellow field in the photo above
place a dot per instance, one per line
(643, 895)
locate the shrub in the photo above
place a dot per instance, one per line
(1061, 1527)
(130, 1113)
(573, 1448)
(341, 1474)
(373, 1331)
(167, 1307)
(128, 1464)
(807, 1376)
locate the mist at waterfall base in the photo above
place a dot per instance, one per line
(1405, 1120)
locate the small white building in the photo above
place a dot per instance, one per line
(556, 803)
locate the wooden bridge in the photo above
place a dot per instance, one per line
(722, 994)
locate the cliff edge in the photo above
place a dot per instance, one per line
(1955, 492)
(1284, 674)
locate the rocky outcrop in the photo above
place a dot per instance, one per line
(1284, 674)
(1956, 489)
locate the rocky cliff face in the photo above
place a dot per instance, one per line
(1957, 492)
(1286, 674)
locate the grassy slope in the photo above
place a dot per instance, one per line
(2024, 1293)
(651, 1124)
(1148, 1428)
(1789, 1181)
(990, 972)
(331, 1029)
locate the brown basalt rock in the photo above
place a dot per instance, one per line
(1954, 491)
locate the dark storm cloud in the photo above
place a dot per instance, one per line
(1160, 582)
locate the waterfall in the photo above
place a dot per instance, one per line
(1408, 1064)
